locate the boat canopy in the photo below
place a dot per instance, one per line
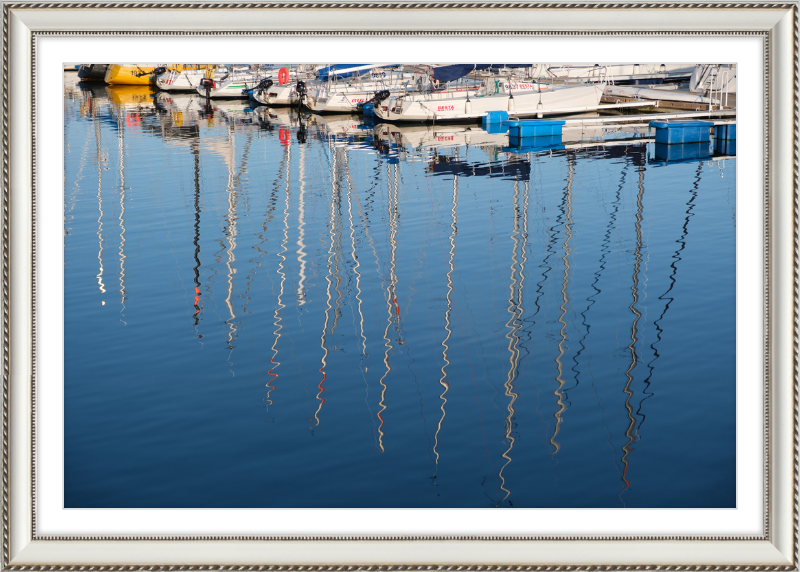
(456, 71)
(347, 70)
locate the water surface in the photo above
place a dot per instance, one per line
(264, 310)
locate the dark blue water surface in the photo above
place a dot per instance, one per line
(264, 311)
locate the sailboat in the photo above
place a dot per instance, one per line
(346, 96)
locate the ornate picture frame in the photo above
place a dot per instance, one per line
(777, 548)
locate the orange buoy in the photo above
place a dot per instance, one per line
(283, 76)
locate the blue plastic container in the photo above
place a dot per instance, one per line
(725, 132)
(532, 144)
(534, 128)
(682, 132)
(685, 152)
(495, 128)
(725, 146)
(368, 110)
(494, 117)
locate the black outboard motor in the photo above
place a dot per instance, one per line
(302, 91)
(159, 70)
(264, 85)
(208, 84)
(377, 98)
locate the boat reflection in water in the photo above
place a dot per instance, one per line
(321, 311)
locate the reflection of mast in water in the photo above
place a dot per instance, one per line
(234, 183)
(356, 263)
(513, 324)
(672, 281)
(634, 339)
(196, 154)
(365, 226)
(445, 384)
(99, 163)
(351, 198)
(392, 308)
(122, 293)
(565, 302)
(230, 231)
(301, 223)
(331, 254)
(287, 160)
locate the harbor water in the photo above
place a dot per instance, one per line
(264, 309)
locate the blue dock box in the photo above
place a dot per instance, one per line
(682, 132)
(534, 128)
(727, 132)
(685, 152)
(725, 146)
(533, 144)
(494, 117)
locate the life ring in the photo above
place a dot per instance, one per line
(283, 76)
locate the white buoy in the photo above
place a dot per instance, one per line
(511, 105)
(468, 107)
(539, 114)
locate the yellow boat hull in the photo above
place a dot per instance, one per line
(140, 74)
(128, 75)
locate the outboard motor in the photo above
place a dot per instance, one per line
(263, 85)
(376, 99)
(208, 84)
(302, 91)
(159, 70)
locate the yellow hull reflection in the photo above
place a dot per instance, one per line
(123, 95)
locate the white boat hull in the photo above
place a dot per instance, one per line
(231, 87)
(547, 101)
(277, 95)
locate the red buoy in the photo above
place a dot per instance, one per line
(283, 76)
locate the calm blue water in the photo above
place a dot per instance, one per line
(261, 312)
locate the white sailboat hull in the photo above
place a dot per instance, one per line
(548, 101)
(277, 95)
(231, 87)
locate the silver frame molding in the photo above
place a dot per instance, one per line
(777, 549)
